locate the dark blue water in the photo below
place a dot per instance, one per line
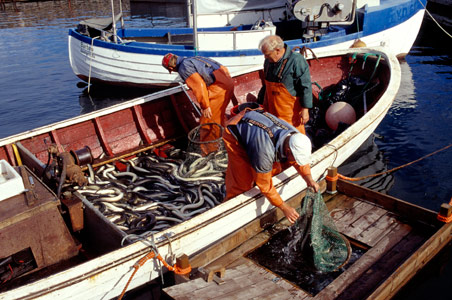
(38, 87)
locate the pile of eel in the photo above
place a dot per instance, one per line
(155, 193)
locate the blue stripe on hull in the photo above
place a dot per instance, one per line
(387, 15)
(390, 14)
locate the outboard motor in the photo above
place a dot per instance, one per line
(317, 16)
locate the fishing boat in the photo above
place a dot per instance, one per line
(86, 258)
(101, 52)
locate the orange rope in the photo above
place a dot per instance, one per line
(332, 178)
(394, 169)
(443, 218)
(147, 257)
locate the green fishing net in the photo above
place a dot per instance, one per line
(330, 250)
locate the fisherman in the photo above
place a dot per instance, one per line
(210, 82)
(287, 91)
(257, 143)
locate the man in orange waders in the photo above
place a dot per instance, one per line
(210, 82)
(255, 141)
(287, 91)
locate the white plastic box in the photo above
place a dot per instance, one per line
(11, 182)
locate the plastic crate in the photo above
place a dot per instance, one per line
(11, 183)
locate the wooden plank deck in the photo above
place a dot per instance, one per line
(245, 280)
(390, 241)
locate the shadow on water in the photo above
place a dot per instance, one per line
(368, 160)
(102, 96)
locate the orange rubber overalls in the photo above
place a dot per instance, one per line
(216, 96)
(241, 176)
(279, 102)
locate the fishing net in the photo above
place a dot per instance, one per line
(206, 147)
(330, 250)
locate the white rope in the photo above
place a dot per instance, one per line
(435, 20)
(91, 51)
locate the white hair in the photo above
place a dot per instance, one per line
(270, 43)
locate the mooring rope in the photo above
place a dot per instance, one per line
(436, 22)
(394, 169)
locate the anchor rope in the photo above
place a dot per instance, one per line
(434, 20)
(394, 169)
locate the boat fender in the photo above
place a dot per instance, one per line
(340, 112)
(358, 44)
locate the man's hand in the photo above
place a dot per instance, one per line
(207, 113)
(314, 185)
(290, 212)
(304, 115)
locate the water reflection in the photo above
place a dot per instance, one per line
(406, 96)
(102, 96)
(368, 160)
(50, 13)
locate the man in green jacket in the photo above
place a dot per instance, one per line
(287, 92)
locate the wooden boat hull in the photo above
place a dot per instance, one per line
(152, 122)
(397, 239)
(135, 63)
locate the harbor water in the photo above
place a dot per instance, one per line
(38, 87)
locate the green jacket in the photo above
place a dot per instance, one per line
(295, 76)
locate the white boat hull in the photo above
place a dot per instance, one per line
(131, 66)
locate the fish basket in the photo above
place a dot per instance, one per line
(206, 138)
(205, 143)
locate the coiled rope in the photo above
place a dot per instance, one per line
(392, 170)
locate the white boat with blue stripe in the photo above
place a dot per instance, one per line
(105, 51)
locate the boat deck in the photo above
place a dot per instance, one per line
(395, 245)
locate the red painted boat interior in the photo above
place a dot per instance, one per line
(173, 116)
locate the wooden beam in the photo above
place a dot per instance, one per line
(414, 263)
(102, 138)
(10, 153)
(56, 139)
(141, 123)
(179, 114)
(364, 263)
(221, 263)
